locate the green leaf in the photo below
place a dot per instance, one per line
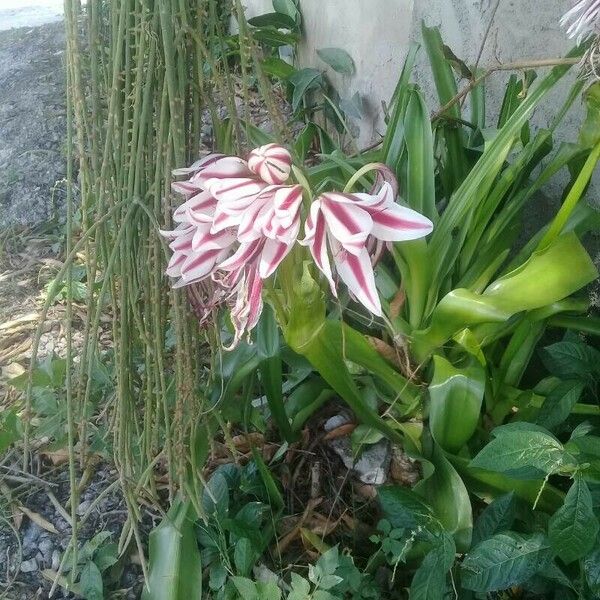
(498, 516)
(106, 556)
(572, 359)
(591, 568)
(278, 20)
(277, 67)
(174, 559)
(9, 428)
(286, 7)
(246, 588)
(420, 192)
(269, 482)
(429, 581)
(174, 570)
(455, 396)
(403, 508)
(90, 582)
(273, 37)
(339, 60)
(215, 497)
(559, 403)
(574, 527)
(244, 556)
(304, 80)
(505, 560)
(523, 453)
(449, 498)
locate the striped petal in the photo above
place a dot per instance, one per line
(347, 222)
(200, 264)
(315, 237)
(185, 188)
(357, 273)
(242, 256)
(202, 162)
(248, 306)
(225, 167)
(272, 163)
(286, 202)
(204, 240)
(270, 258)
(398, 223)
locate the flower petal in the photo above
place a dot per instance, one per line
(242, 256)
(347, 222)
(200, 264)
(357, 273)
(270, 258)
(248, 306)
(398, 223)
(271, 162)
(196, 166)
(315, 237)
(224, 167)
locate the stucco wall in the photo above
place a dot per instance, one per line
(377, 34)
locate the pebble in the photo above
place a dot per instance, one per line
(45, 547)
(55, 560)
(29, 566)
(32, 533)
(83, 506)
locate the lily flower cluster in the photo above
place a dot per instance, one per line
(582, 19)
(240, 219)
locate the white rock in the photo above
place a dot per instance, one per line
(29, 566)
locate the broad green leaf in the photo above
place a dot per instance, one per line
(215, 497)
(523, 453)
(304, 140)
(244, 556)
(590, 130)
(564, 267)
(9, 429)
(403, 508)
(246, 588)
(420, 191)
(572, 359)
(430, 580)
(505, 560)
(275, 497)
(591, 568)
(558, 404)
(275, 19)
(304, 80)
(286, 7)
(277, 67)
(273, 37)
(339, 60)
(174, 569)
(574, 527)
(449, 498)
(498, 516)
(353, 107)
(455, 396)
(90, 582)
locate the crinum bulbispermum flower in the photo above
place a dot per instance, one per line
(582, 19)
(236, 226)
(345, 226)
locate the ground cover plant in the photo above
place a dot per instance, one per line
(322, 306)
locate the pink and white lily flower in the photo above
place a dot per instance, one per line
(235, 227)
(582, 19)
(346, 226)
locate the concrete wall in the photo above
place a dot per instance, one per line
(377, 34)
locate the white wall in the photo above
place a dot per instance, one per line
(377, 34)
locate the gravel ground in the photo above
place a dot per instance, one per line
(32, 123)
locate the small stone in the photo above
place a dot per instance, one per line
(45, 547)
(31, 534)
(29, 566)
(55, 560)
(83, 506)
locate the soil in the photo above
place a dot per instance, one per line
(32, 123)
